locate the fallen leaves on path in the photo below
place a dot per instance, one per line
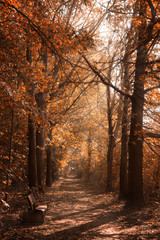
(75, 212)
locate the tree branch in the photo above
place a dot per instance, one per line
(152, 9)
(104, 78)
(152, 135)
(150, 89)
(34, 26)
(77, 98)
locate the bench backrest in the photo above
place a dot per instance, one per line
(32, 201)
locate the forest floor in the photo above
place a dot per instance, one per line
(76, 212)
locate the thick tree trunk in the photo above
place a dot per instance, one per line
(124, 138)
(32, 163)
(135, 181)
(40, 140)
(123, 161)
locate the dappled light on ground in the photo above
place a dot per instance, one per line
(75, 212)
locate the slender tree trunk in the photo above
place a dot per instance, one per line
(89, 156)
(32, 163)
(49, 173)
(110, 143)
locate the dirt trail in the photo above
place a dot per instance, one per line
(75, 212)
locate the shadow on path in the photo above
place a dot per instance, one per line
(75, 212)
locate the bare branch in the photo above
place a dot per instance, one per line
(152, 88)
(152, 135)
(77, 98)
(104, 79)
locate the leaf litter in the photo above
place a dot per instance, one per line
(76, 212)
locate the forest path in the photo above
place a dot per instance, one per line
(75, 212)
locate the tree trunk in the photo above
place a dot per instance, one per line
(157, 174)
(49, 173)
(32, 163)
(124, 153)
(10, 154)
(110, 142)
(109, 187)
(124, 138)
(135, 181)
(40, 153)
(54, 166)
(89, 156)
(40, 140)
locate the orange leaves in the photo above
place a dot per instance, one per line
(15, 3)
(139, 133)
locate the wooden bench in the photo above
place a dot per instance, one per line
(36, 213)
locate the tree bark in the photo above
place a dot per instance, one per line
(157, 175)
(124, 153)
(32, 163)
(135, 180)
(49, 173)
(111, 141)
(54, 164)
(40, 141)
(124, 138)
(89, 140)
(10, 153)
(109, 187)
(40, 153)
